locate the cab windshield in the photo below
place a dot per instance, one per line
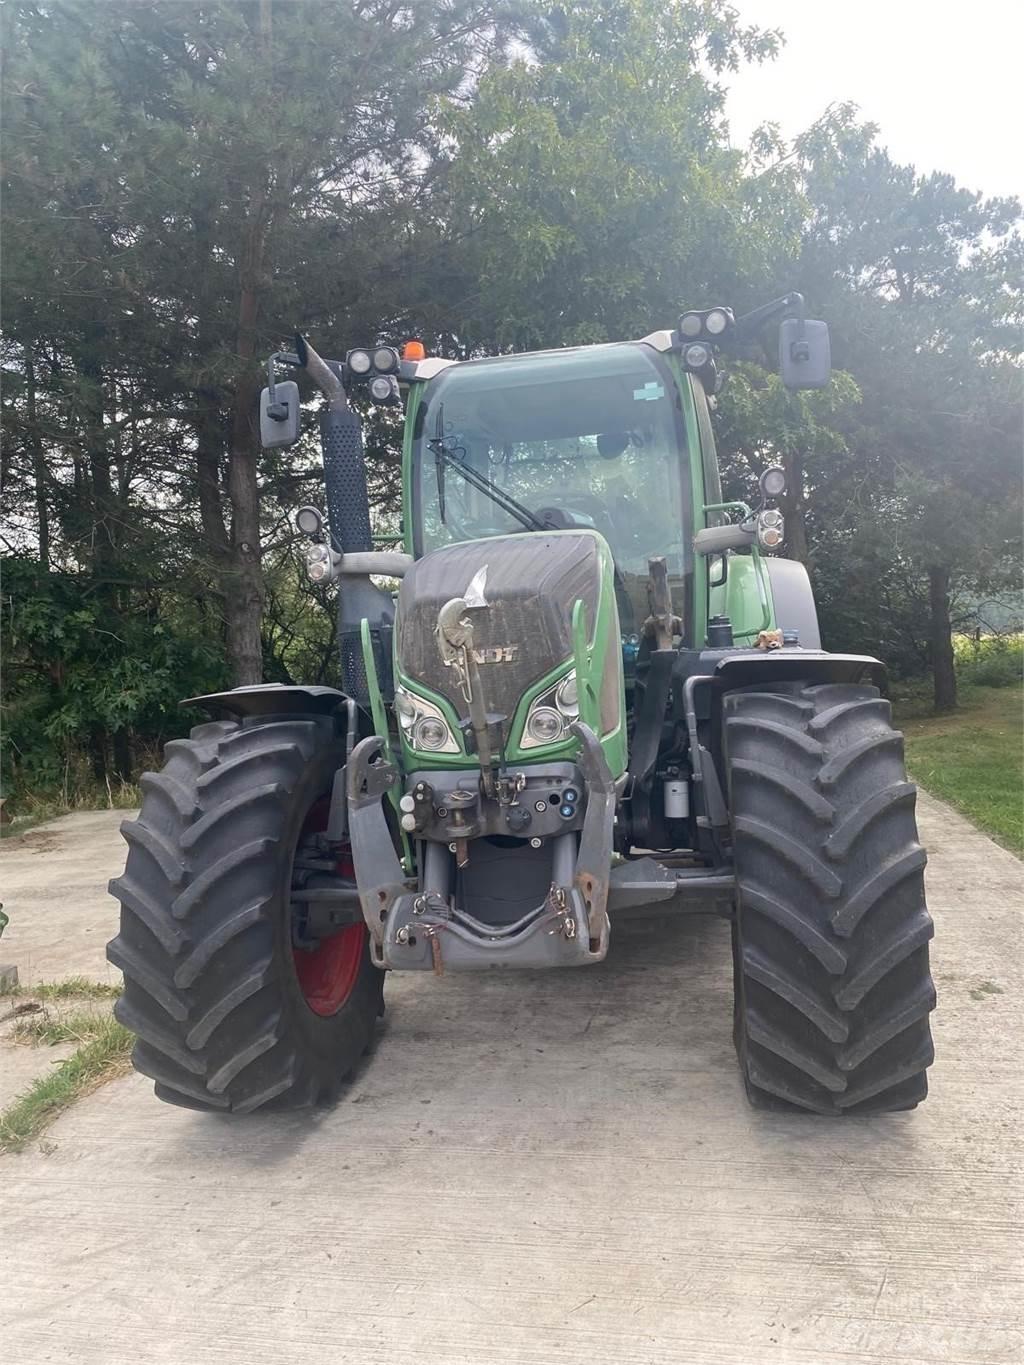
(592, 437)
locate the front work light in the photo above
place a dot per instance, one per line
(385, 360)
(707, 322)
(383, 388)
(695, 357)
(309, 521)
(359, 362)
(773, 482)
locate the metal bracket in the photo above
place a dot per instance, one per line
(705, 774)
(594, 859)
(379, 875)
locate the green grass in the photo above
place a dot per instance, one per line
(973, 758)
(74, 1011)
(29, 809)
(74, 988)
(104, 1056)
(77, 1026)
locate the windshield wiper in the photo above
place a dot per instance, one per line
(437, 446)
(444, 458)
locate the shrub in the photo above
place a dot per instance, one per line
(992, 661)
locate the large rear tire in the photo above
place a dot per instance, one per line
(833, 990)
(227, 1013)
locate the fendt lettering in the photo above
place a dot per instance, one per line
(496, 654)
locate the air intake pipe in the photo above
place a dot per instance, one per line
(348, 517)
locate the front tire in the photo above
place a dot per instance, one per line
(833, 989)
(227, 1015)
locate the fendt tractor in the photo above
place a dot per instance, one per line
(584, 691)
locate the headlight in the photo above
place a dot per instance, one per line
(430, 733)
(319, 566)
(770, 529)
(567, 697)
(696, 356)
(551, 714)
(544, 725)
(359, 362)
(423, 724)
(690, 325)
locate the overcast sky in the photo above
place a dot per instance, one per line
(944, 81)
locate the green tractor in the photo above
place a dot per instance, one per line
(583, 692)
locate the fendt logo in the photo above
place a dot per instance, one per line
(497, 654)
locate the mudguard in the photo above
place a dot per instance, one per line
(271, 699)
(743, 667)
(793, 599)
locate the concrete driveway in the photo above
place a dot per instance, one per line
(545, 1170)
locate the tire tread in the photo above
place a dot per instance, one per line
(833, 987)
(217, 1014)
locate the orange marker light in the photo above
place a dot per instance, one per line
(414, 350)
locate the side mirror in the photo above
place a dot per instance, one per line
(805, 354)
(279, 421)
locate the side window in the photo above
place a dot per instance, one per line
(718, 565)
(709, 459)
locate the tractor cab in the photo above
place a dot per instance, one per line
(595, 438)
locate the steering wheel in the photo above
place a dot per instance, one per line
(562, 519)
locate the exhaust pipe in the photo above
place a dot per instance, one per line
(348, 518)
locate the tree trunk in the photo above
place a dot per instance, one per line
(941, 639)
(794, 507)
(98, 753)
(103, 531)
(38, 464)
(209, 458)
(244, 600)
(122, 748)
(105, 535)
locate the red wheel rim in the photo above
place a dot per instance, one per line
(328, 973)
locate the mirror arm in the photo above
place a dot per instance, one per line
(282, 358)
(789, 305)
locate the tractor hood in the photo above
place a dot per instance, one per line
(530, 585)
